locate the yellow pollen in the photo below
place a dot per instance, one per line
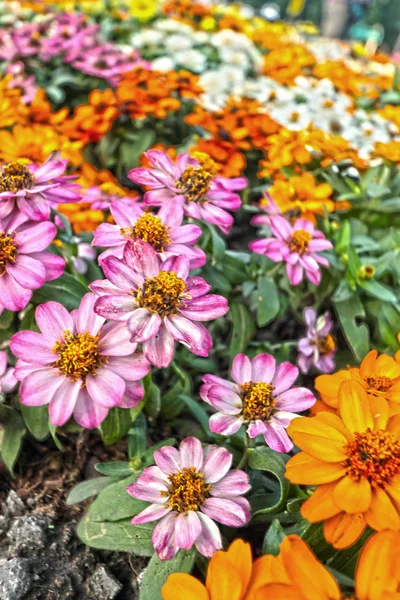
(111, 188)
(300, 240)
(258, 402)
(150, 229)
(195, 183)
(8, 251)
(294, 117)
(328, 103)
(162, 294)
(373, 455)
(326, 345)
(78, 355)
(379, 383)
(187, 490)
(206, 162)
(15, 176)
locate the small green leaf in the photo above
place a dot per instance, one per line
(86, 489)
(116, 425)
(137, 437)
(266, 460)
(119, 536)
(343, 238)
(6, 318)
(53, 433)
(356, 335)
(12, 432)
(345, 561)
(37, 420)
(198, 412)
(114, 503)
(243, 328)
(273, 538)
(118, 468)
(378, 290)
(66, 289)
(266, 297)
(218, 244)
(158, 571)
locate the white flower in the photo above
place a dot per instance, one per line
(177, 42)
(147, 37)
(192, 59)
(163, 64)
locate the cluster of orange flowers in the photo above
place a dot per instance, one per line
(286, 62)
(350, 82)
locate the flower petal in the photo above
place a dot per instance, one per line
(226, 511)
(263, 368)
(241, 369)
(63, 402)
(353, 496)
(143, 325)
(187, 529)
(285, 375)
(191, 453)
(87, 412)
(159, 350)
(105, 387)
(53, 319)
(167, 459)
(209, 540)
(163, 537)
(216, 465)
(23, 342)
(234, 483)
(151, 513)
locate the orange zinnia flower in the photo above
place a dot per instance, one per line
(354, 460)
(90, 122)
(40, 111)
(287, 62)
(286, 148)
(390, 152)
(391, 113)
(229, 161)
(378, 375)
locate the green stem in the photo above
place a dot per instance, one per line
(248, 443)
(178, 372)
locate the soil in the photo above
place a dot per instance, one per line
(41, 558)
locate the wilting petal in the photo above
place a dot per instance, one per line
(276, 437)
(143, 325)
(159, 350)
(163, 538)
(141, 257)
(121, 274)
(187, 529)
(115, 308)
(134, 392)
(193, 335)
(205, 308)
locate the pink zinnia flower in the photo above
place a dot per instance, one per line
(193, 184)
(190, 489)
(269, 208)
(262, 398)
(297, 245)
(24, 263)
(106, 61)
(318, 348)
(164, 232)
(77, 364)
(33, 188)
(7, 378)
(158, 302)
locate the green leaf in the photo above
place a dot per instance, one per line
(266, 297)
(343, 238)
(158, 571)
(66, 289)
(356, 335)
(114, 503)
(53, 433)
(137, 437)
(198, 412)
(345, 561)
(37, 420)
(12, 431)
(273, 538)
(118, 468)
(6, 318)
(314, 537)
(86, 489)
(378, 290)
(153, 403)
(354, 262)
(266, 460)
(116, 425)
(218, 244)
(243, 328)
(171, 405)
(119, 536)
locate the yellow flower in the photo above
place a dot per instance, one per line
(143, 10)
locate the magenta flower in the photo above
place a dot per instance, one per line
(106, 61)
(193, 184)
(298, 246)
(164, 232)
(8, 382)
(33, 188)
(24, 263)
(189, 489)
(318, 348)
(158, 302)
(262, 398)
(77, 364)
(269, 209)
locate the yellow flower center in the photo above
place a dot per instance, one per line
(300, 240)
(78, 355)
(326, 345)
(195, 183)
(366, 272)
(379, 383)
(187, 490)
(328, 103)
(206, 162)
(162, 294)
(294, 117)
(15, 176)
(8, 251)
(258, 402)
(374, 455)
(150, 229)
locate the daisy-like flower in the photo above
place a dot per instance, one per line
(33, 188)
(77, 364)
(379, 375)
(318, 348)
(158, 302)
(189, 489)
(164, 232)
(262, 398)
(7, 378)
(24, 263)
(354, 460)
(193, 183)
(298, 245)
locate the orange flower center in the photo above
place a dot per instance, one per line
(258, 402)
(15, 176)
(78, 355)
(150, 229)
(8, 251)
(326, 345)
(374, 455)
(162, 294)
(379, 383)
(299, 242)
(187, 490)
(195, 183)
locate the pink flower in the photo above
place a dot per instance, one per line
(298, 246)
(105, 61)
(191, 183)
(77, 364)
(158, 302)
(269, 208)
(33, 188)
(24, 263)
(262, 398)
(164, 232)
(318, 347)
(7, 379)
(189, 489)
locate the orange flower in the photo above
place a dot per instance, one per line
(287, 62)
(286, 148)
(390, 152)
(90, 122)
(391, 113)
(10, 103)
(334, 148)
(302, 197)
(354, 460)
(352, 83)
(229, 161)
(81, 216)
(378, 375)
(40, 111)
